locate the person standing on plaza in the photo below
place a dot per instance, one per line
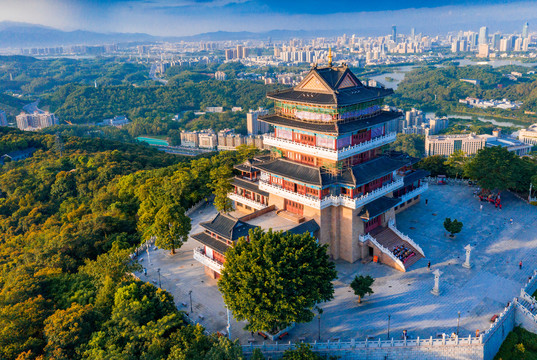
(520, 265)
(429, 265)
(426, 202)
(481, 207)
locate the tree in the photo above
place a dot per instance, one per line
(171, 227)
(191, 343)
(361, 285)
(434, 164)
(456, 162)
(453, 227)
(302, 352)
(222, 186)
(276, 279)
(493, 168)
(411, 144)
(66, 330)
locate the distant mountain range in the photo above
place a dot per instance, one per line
(17, 35)
(22, 35)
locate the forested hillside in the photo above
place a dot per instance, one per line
(67, 226)
(82, 104)
(32, 76)
(439, 88)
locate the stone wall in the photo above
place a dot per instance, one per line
(428, 349)
(494, 337)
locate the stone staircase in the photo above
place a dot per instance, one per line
(389, 239)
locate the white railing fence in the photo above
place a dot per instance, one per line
(353, 344)
(200, 256)
(417, 191)
(386, 251)
(391, 225)
(244, 200)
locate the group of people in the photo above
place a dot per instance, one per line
(492, 198)
(402, 253)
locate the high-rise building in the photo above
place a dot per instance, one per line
(483, 51)
(220, 75)
(525, 44)
(484, 35)
(447, 144)
(438, 124)
(505, 45)
(525, 30)
(496, 38)
(3, 118)
(412, 33)
(518, 44)
(253, 125)
(240, 51)
(394, 33)
(36, 121)
(529, 135)
(326, 175)
(229, 54)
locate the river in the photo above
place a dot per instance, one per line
(483, 119)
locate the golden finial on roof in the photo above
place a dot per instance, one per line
(329, 56)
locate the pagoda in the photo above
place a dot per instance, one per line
(327, 166)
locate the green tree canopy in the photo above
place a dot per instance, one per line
(361, 285)
(456, 162)
(171, 227)
(493, 168)
(276, 278)
(435, 164)
(452, 226)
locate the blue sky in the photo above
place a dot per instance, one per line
(187, 17)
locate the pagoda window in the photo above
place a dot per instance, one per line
(304, 139)
(325, 192)
(301, 189)
(294, 207)
(288, 185)
(218, 257)
(361, 136)
(306, 159)
(276, 180)
(372, 224)
(312, 192)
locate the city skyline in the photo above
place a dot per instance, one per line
(183, 18)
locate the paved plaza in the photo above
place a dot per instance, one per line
(477, 293)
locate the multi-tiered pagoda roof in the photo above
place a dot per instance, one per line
(331, 86)
(339, 99)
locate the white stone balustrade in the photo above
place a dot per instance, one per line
(353, 203)
(244, 200)
(408, 239)
(386, 251)
(330, 154)
(417, 191)
(200, 256)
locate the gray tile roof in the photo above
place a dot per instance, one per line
(376, 168)
(207, 240)
(331, 77)
(415, 175)
(309, 226)
(307, 174)
(248, 185)
(377, 207)
(227, 226)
